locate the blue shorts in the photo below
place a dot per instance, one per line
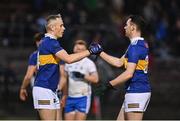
(81, 104)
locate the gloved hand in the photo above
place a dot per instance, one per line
(102, 88)
(77, 74)
(95, 48)
(59, 94)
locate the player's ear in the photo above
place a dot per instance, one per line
(52, 27)
(133, 27)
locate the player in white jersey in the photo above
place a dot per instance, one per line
(80, 76)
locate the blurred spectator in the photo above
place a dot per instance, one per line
(41, 22)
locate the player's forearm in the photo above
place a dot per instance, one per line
(26, 82)
(117, 62)
(121, 78)
(77, 56)
(62, 83)
(65, 89)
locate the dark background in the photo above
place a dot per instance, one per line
(92, 20)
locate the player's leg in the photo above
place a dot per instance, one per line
(70, 116)
(58, 109)
(82, 107)
(80, 116)
(69, 109)
(121, 115)
(47, 114)
(46, 102)
(135, 105)
(134, 116)
(58, 114)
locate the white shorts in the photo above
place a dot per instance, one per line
(44, 98)
(136, 102)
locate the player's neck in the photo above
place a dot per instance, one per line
(51, 34)
(135, 35)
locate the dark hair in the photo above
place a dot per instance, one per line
(139, 22)
(81, 42)
(38, 37)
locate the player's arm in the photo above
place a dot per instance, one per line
(63, 78)
(92, 77)
(29, 74)
(117, 62)
(126, 75)
(63, 85)
(70, 58)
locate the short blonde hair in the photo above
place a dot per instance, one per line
(51, 18)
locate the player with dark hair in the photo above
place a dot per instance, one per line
(31, 69)
(50, 53)
(135, 61)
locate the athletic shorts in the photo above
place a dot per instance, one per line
(81, 104)
(44, 98)
(136, 102)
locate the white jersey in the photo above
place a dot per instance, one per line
(79, 88)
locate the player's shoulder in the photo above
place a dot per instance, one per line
(139, 44)
(33, 56)
(49, 40)
(34, 53)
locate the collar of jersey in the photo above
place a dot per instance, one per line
(135, 39)
(50, 35)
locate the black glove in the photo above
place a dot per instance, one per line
(95, 48)
(78, 74)
(102, 88)
(59, 94)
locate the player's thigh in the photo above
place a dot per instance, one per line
(47, 114)
(121, 114)
(70, 115)
(58, 114)
(80, 116)
(134, 116)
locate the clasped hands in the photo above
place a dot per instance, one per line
(95, 48)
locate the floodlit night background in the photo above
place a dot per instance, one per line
(92, 20)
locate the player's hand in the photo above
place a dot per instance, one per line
(23, 94)
(95, 48)
(78, 74)
(102, 88)
(63, 101)
(59, 94)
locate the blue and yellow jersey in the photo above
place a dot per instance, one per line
(33, 59)
(48, 65)
(137, 52)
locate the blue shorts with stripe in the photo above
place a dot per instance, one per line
(81, 104)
